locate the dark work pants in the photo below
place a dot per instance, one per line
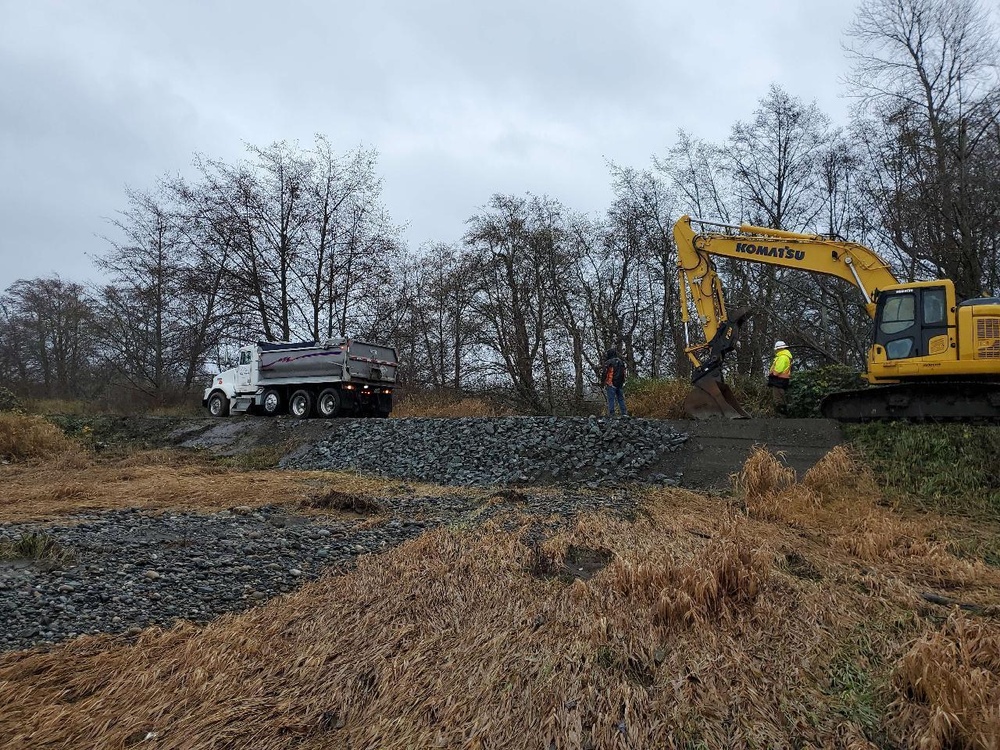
(615, 394)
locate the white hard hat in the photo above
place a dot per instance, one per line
(779, 345)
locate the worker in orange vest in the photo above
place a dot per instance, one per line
(780, 375)
(613, 378)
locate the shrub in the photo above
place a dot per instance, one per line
(9, 402)
(23, 436)
(809, 387)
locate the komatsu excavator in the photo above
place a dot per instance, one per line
(933, 357)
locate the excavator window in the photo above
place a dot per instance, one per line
(897, 315)
(934, 301)
(908, 319)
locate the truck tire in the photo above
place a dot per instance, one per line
(270, 402)
(218, 404)
(301, 404)
(328, 403)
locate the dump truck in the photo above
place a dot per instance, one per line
(933, 357)
(336, 377)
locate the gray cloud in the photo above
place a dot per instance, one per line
(460, 99)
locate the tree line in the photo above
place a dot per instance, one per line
(295, 243)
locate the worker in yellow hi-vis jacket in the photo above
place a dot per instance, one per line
(780, 375)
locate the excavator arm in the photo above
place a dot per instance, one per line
(701, 288)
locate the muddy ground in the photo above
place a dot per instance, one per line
(715, 449)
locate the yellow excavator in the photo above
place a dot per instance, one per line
(933, 357)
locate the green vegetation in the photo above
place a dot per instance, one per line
(39, 548)
(258, 458)
(9, 401)
(809, 387)
(946, 468)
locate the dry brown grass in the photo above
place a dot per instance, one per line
(840, 476)
(25, 437)
(455, 641)
(160, 479)
(696, 632)
(948, 687)
(441, 406)
(841, 497)
(659, 399)
(762, 483)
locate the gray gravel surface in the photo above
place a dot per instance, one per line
(132, 569)
(504, 451)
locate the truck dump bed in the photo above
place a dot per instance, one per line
(335, 358)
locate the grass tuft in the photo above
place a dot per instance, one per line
(38, 548)
(948, 687)
(762, 482)
(346, 501)
(30, 437)
(841, 475)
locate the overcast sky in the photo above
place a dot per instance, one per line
(460, 99)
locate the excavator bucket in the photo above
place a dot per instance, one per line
(710, 397)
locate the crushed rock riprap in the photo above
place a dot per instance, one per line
(129, 570)
(499, 451)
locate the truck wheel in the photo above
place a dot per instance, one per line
(270, 404)
(328, 403)
(218, 405)
(300, 404)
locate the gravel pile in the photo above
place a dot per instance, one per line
(130, 570)
(504, 451)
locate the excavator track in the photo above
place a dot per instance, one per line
(937, 401)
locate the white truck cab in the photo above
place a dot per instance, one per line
(329, 378)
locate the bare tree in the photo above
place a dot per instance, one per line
(48, 336)
(512, 306)
(701, 174)
(165, 305)
(445, 284)
(641, 221)
(926, 73)
(774, 161)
